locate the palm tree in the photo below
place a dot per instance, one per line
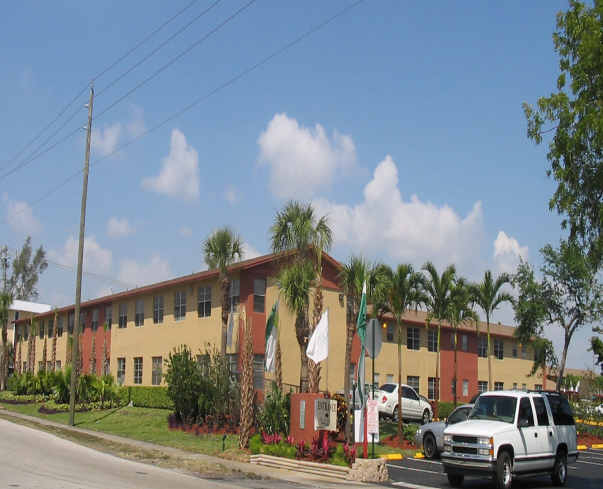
(437, 290)
(221, 249)
(403, 291)
(487, 295)
(4, 305)
(297, 228)
(460, 311)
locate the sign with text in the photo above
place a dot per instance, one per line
(325, 414)
(372, 417)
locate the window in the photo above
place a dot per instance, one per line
(562, 412)
(107, 366)
(538, 387)
(41, 330)
(408, 393)
(498, 386)
(157, 370)
(60, 326)
(524, 387)
(514, 386)
(108, 316)
(524, 352)
(258, 372)
(158, 309)
(40, 366)
(138, 370)
(94, 319)
(234, 293)
(390, 332)
(48, 366)
(465, 387)
(464, 342)
(432, 387)
(525, 416)
(376, 383)
(70, 322)
(514, 350)
(204, 302)
(25, 333)
(482, 347)
(58, 365)
(482, 386)
(389, 379)
(413, 381)
(498, 349)
(233, 363)
(259, 294)
(432, 342)
(541, 414)
(179, 305)
(412, 338)
(459, 415)
(123, 315)
(121, 371)
(82, 321)
(16, 315)
(139, 313)
(50, 331)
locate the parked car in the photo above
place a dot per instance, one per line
(510, 434)
(413, 407)
(430, 436)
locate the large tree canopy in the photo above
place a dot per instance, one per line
(27, 266)
(574, 115)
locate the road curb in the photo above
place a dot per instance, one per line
(582, 447)
(392, 456)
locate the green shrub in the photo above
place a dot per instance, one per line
(184, 383)
(12, 382)
(150, 397)
(273, 417)
(444, 409)
(281, 449)
(409, 431)
(255, 444)
(338, 457)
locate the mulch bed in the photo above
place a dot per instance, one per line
(394, 442)
(16, 401)
(45, 410)
(204, 429)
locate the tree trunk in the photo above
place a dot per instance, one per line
(246, 386)
(399, 407)
(4, 365)
(93, 354)
(438, 396)
(278, 363)
(302, 333)
(105, 369)
(53, 360)
(346, 381)
(566, 343)
(488, 352)
(19, 364)
(225, 285)
(456, 386)
(69, 350)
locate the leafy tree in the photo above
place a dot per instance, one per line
(184, 381)
(403, 292)
(438, 289)
(596, 346)
(26, 269)
(568, 295)
(4, 305)
(487, 295)
(221, 249)
(575, 112)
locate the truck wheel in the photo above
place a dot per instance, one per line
(504, 471)
(426, 416)
(455, 480)
(559, 474)
(429, 446)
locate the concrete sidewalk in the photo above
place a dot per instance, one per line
(254, 471)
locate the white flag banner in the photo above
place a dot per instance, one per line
(271, 339)
(318, 346)
(230, 329)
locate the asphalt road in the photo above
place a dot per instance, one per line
(586, 473)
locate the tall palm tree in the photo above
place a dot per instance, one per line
(437, 290)
(460, 311)
(488, 296)
(297, 228)
(221, 249)
(403, 291)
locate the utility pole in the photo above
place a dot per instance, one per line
(80, 257)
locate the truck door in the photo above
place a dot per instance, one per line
(546, 433)
(530, 459)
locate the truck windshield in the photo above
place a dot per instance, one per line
(495, 408)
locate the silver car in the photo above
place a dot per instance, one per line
(430, 436)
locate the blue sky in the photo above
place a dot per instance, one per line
(400, 120)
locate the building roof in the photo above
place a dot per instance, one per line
(27, 306)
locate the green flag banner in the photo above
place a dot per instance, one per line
(271, 338)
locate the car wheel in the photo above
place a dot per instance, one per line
(559, 474)
(455, 480)
(429, 446)
(426, 416)
(504, 471)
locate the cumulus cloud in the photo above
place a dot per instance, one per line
(185, 232)
(20, 217)
(302, 160)
(179, 174)
(104, 141)
(405, 230)
(119, 227)
(133, 272)
(96, 258)
(231, 194)
(136, 126)
(507, 252)
(249, 251)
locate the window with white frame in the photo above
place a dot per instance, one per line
(413, 339)
(376, 383)
(432, 387)
(482, 386)
(482, 347)
(204, 302)
(524, 387)
(123, 314)
(258, 372)
(514, 386)
(259, 294)
(413, 381)
(109, 316)
(499, 349)
(538, 387)
(432, 341)
(158, 309)
(139, 312)
(453, 387)
(138, 370)
(157, 370)
(179, 305)
(464, 342)
(121, 371)
(499, 386)
(465, 387)
(94, 319)
(234, 294)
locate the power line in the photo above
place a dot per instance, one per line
(98, 75)
(209, 94)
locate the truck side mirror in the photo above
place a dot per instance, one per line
(523, 423)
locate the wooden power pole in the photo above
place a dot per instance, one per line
(80, 257)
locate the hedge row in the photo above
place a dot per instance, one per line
(149, 397)
(445, 408)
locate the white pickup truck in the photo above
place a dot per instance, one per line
(512, 433)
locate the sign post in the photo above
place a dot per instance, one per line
(374, 343)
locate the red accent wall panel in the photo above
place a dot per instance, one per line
(466, 366)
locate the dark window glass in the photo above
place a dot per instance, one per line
(41, 329)
(138, 370)
(94, 319)
(123, 315)
(258, 372)
(139, 313)
(388, 388)
(482, 348)
(121, 370)
(525, 413)
(562, 412)
(390, 332)
(412, 339)
(499, 349)
(179, 305)
(204, 302)
(458, 415)
(70, 322)
(413, 381)
(408, 393)
(50, 328)
(259, 294)
(432, 342)
(541, 414)
(432, 388)
(60, 326)
(157, 371)
(158, 309)
(108, 316)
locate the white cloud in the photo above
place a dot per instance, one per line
(413, 231)
(118, 228)
(136, 126)
(507, 252)
(104, 141)
(185, 232)
(179, 175)
(133, 272)
(231, 194)
(20, 217)
(249, 251)
(96, 258)
(301, 159)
